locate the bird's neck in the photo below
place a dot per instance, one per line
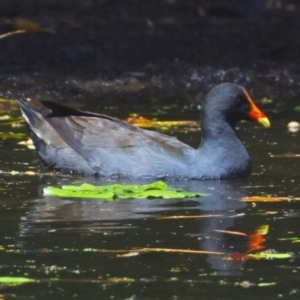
(221, 151)
(217, 128)
(218, 135)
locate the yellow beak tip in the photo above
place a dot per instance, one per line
(264, 122)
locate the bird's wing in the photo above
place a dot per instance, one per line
(96, 139)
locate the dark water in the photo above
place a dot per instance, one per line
(59, 242)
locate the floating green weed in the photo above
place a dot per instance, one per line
(8, 120)
(12, 135)
(15, 280)
(270, 255)
(158, 189)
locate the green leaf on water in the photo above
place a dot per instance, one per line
(60, 192)
(158, 189)
(15, 280)
(297, 108)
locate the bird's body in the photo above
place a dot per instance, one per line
(83, 142)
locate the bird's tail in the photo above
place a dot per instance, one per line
(35, 120)
(32, 117)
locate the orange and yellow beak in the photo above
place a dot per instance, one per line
(256, 114)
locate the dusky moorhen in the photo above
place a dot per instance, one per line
(72, 140)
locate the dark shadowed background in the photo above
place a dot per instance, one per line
(107, 47)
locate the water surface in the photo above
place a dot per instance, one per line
(59, 242)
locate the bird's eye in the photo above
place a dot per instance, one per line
(238, 99)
